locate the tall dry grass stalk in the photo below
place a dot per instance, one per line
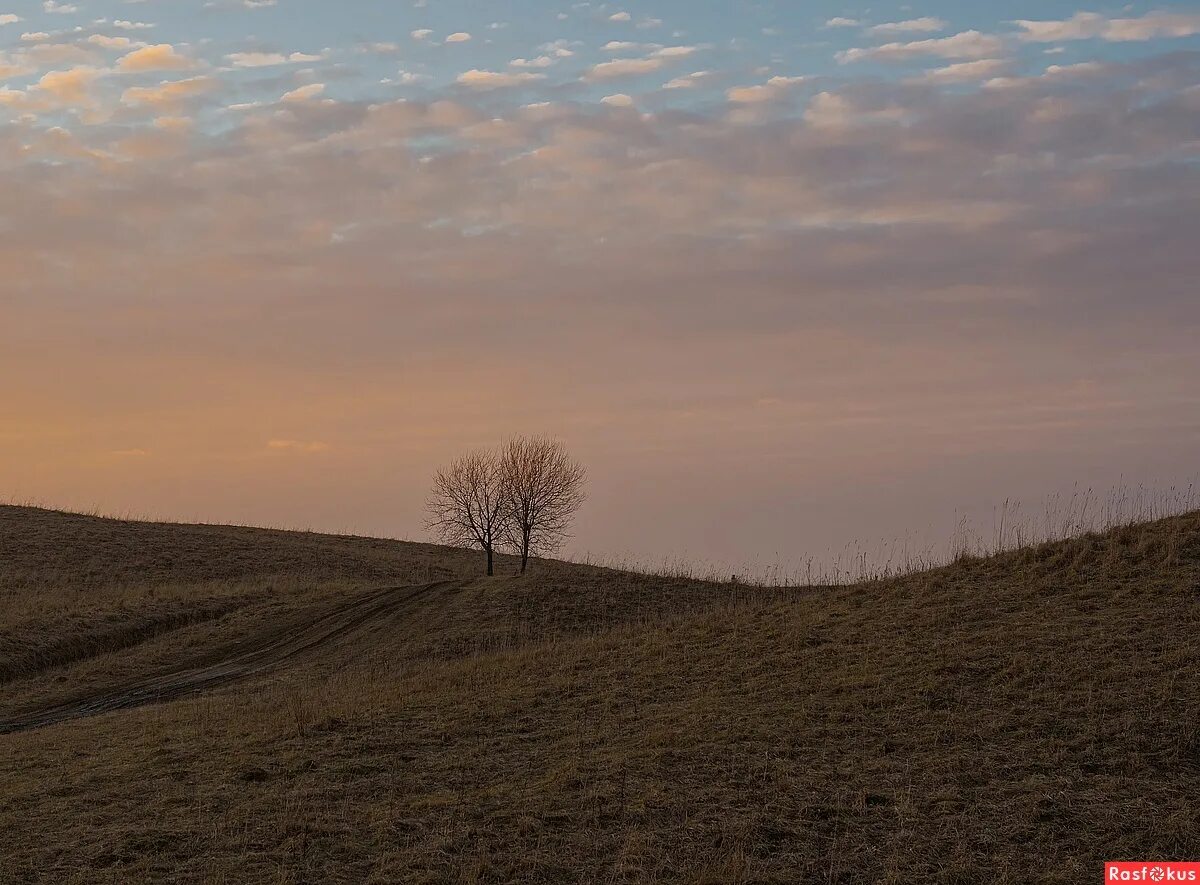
(1014, 526)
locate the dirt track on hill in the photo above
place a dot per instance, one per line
(251, 658)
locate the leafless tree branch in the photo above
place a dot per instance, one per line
(468, 506)
(543, 488)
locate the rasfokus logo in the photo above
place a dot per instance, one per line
(1151, 871)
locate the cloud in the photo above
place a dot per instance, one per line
(159, 57)
(421, 34)
(478, 79)
(842, 22)
(772, 90)
(268, 59)
(624, 67)
(620, 17)
(170, 96)
(459, 37)
(558, 48)
(304, 93)
(1093, 25)
(675, 51)
(292, 445)
(968, 44)
(9, 18)
(927, 24)
(69, 87)
(620, 100)
(174, 124)
(831, 112)
(688, 81)
(542, 61)
(967, 71)
(106, 42)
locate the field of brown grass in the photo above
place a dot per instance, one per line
(1015, 718)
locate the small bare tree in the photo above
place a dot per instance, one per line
(543, 487)
(468, 505)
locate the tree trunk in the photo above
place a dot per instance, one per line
(524, 552)
(490, 570)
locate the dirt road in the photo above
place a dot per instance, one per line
(254, 657)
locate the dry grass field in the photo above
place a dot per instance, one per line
(343, 709)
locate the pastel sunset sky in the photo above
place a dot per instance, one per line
(782, 274)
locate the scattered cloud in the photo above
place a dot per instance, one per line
(304, 93)
(69, 87)
(169, 97)
(927, 24)
(967, 71)
(293, 445)
(968, 44)
(113, 43)
(478, 79)
(675, 51)
(1093, 25)
(624, 67)
(159, 57)
(542, 61)
(269, 59)
(772, 90)
(688, 81)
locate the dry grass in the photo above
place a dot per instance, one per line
(116, 601)
(77, 588)
(1012, 525)
(1013, 718)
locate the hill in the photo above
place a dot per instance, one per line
(352, 709)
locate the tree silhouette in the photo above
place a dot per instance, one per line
(542, 487)
(468, 505)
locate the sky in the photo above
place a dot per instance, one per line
(785, 276)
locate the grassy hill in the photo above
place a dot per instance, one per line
(370, 711)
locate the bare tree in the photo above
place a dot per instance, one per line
(468, 505)
(543, 487)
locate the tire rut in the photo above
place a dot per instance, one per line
(252, 658)
(33, 662)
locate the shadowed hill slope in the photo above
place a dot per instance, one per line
(119, 600)
(46, 547)
(1017, 718)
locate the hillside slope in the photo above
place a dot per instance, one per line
(1018, 718)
